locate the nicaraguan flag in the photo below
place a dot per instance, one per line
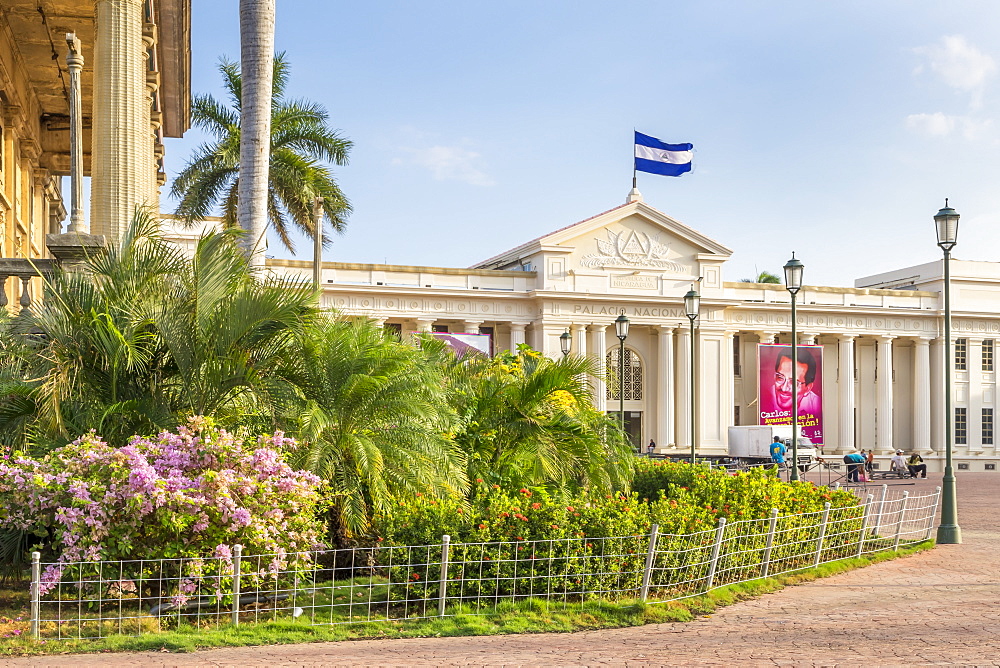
(656, 157)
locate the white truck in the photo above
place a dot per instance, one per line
(751, 444)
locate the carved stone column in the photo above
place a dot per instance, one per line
(845, 386)
(922, 395)
(665, 387)
(883, 382)
(768, 337)
(122, 146)
(682, 398)
(516, 335)
(579, 340)
(599, 348)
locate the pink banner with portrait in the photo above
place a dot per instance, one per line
(774, 373)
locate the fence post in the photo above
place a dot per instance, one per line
(930, 520)
(836, 486)
(36, 592)
(864, 524)
(715, 552)
(771, 528)
(881, 510)
(899, 522)
(237, 556)
(822, 533)
(445, 543)
(654, 534)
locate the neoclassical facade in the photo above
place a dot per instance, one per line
(134, 91)
(882, 382)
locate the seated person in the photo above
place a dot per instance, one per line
(916, 465)
(898, 463)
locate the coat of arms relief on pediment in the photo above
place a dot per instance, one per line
(631, 250)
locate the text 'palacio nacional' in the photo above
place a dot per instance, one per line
(882, 342)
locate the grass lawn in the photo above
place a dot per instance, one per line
(528, 616)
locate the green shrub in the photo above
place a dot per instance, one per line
(518, 544)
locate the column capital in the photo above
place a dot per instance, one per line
(884, 338)
(597, 328)
(517, 326)
(807, 338)
(578, 328)
(922, 340)
(766, 335)
(846, 338)
(664, 329)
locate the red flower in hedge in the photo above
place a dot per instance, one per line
(479, 479)
(536, 506)
(482, 526)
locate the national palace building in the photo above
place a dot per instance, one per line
(881, 379)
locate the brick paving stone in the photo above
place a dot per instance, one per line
(939, 607)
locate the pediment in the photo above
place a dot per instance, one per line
(634, 236)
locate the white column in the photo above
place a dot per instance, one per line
(728, 381)
(471, 326)
(682, 397)
(74, 63)
(845, 385)
(922, 395)
(122, 145)
(768, 337)
(664, 387)
(807, 339)
(883, 382)
(579, 340)
(937, 395)
(599, 348)
(516, 335)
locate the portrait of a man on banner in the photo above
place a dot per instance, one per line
(776, 376)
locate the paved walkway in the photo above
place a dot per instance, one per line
(940, 607)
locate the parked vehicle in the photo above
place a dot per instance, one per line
(751, 444)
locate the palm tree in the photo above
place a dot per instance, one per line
(762, 277)
(301, 145)
(145, 338)
(256, 57)
(529, 420)
(373, 419)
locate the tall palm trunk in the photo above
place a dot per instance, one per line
(256, 61)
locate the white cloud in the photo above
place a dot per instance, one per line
(935, 125)
(447, 163)
(942, 125)
(959, 65)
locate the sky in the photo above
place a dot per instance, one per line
(831, 129)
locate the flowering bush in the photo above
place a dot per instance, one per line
(190, 494)
(506, 542)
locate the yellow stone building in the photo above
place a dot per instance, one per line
(134, 91)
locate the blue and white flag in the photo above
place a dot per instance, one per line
(656, 157)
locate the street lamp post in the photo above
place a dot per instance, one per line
(692, 303)
(948, 532)
(565, 342)
(621, 331)
(793, 283)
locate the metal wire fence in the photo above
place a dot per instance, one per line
(382, 583)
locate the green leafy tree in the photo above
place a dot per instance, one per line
(762, 277)
(528, 420)
(373, 420)
(144, 338)
(302, 143)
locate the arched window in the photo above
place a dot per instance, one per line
(633, 375)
